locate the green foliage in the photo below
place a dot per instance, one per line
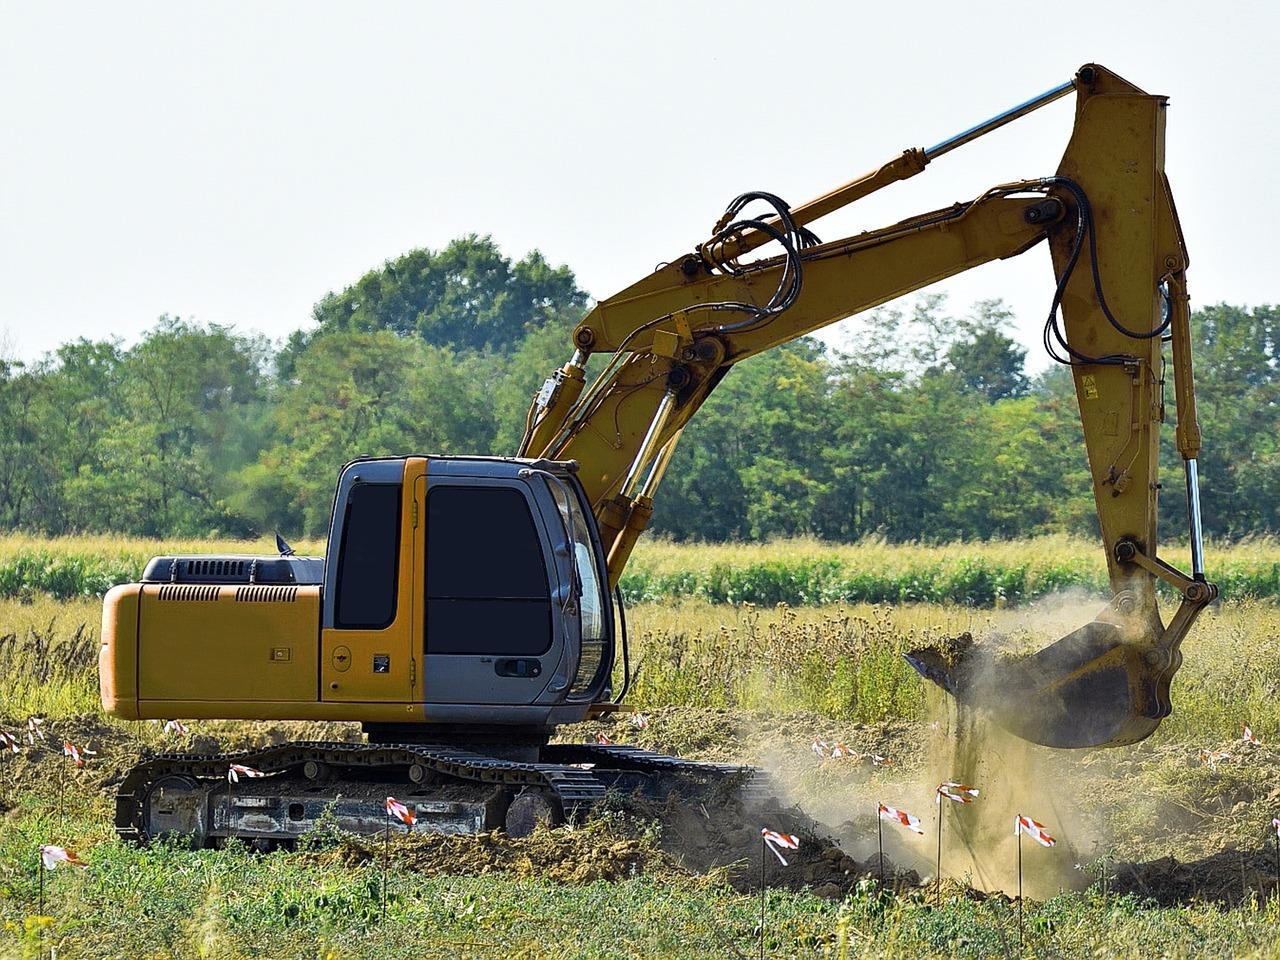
(466, 296)
(928, 431)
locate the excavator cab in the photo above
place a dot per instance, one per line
(455, 592)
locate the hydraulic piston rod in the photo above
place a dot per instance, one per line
(1193, 518)
(999, 120)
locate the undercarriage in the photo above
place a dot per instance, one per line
(307, 786)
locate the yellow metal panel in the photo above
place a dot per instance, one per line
(217, 643)
(279, 710)
(118, 655)
(346, 667)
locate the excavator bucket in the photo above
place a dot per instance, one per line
(1093, 688)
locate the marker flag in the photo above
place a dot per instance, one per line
(639, 721)
(959, 792)
(8, 742)
(77, 754)
(34, 732)
(1275, 822)
(1033, 829)
(603, 740)
(777, 842)
(1249, 737)
(237, 770)
(176, 727)
(53, 857)
(401, 812)
(902, 818)
(832, 751)
(1211, 758)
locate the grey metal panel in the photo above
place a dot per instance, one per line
(512, 714)
(387, 470)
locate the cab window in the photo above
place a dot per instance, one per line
(486, 578)
(369, 559)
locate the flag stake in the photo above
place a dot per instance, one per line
(386, 855)
(763, 850)
(880, 839)
(40, 871)
(937, 883)
(1020, 889)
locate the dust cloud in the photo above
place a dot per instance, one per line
(964, 744)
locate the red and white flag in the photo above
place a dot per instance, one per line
(237, 770)
(77, 754)
(53, 857)
(176, 727)
(1211, 758)
(902, 818)
(1275, 822)
(1249, 737)
(879, 761)
(777, 842)
(959, 792)
(1033, 829)
(34, 732)
(401, 812)
(639, 721)
(830, 751)
(8, 742)
(603, 740)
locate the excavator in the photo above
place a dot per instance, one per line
(467, 606)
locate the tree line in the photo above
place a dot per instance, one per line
(927, 427)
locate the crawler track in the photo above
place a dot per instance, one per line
(452, 790)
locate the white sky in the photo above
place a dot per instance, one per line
(233, 162)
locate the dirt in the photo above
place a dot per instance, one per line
(580, 855)
(1229, 877)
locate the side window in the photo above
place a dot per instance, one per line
(369, 559)
(487, 589)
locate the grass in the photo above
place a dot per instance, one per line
(798, 572)
(840, 661)
(167, 901)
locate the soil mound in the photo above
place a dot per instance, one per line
(1230, 877)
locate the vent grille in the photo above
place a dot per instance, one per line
(188, 592)
(214, 568)
(267, 594)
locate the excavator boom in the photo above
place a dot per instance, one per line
(1119, 260)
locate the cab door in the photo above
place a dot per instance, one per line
(368, 653)
(491, 633)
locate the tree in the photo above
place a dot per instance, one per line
(171, 433)
(985, 358)
(467, 296)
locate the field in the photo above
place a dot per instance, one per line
(1164, 850)
(793, 571)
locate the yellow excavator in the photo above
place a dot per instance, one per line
(467, 606)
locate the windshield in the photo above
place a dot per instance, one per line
(589, 579)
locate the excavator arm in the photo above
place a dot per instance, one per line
(1119, 259)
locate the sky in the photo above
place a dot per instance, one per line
(234, 162)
